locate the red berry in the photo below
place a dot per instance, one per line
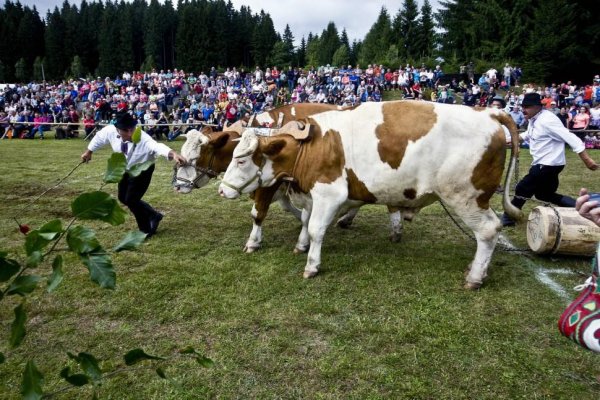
(24, 228)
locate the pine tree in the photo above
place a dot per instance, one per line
(406, 27)
(550, 50)
(341, 57)
(455, 17)
(56, 62)
(108, 36)
(330, 42)
(426, 34)
(263, 38)
(288, 40)
(153, 30)
(38, 75)
(377, 40)
(21, 72)
(301, 53)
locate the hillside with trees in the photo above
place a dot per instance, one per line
(551, 39)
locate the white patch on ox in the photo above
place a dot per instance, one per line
(191, 152)
(264, 118)
(242, 175)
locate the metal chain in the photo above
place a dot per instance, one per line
(502, 246)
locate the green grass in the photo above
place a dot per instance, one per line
(381, 321)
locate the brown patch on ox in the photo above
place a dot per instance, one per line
(318, 160)
(219, 151)
(357, 190)
(488, 172)
(403, 121)
(410, 194)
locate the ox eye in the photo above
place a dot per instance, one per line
(241, 162)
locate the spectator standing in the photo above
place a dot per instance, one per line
(547, 137)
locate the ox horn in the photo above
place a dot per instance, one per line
(204, 140)
(248, 145)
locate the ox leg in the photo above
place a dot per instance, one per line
(255, 238)
(303, 239)
(345, 221)
(263, 197)
(486, 226)
(395, 224)
(323, 213)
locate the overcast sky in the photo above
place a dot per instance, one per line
(303, 16)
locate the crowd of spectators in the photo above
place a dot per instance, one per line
(168, 103)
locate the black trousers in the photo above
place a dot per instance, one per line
(542, 181)
(131, 191)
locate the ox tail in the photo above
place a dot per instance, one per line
(506, 120)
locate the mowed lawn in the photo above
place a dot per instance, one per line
(381, 320)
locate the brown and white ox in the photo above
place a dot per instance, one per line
(405, 154)
(209, 153)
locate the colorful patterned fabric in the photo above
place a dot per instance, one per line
(581, 320)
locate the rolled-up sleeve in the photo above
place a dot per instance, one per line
(556, 129)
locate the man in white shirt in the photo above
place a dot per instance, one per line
(547, 137)
(132, 189)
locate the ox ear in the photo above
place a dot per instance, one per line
(220, 140)
(274, 147)
(203, 139)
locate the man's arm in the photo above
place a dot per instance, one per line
(588, 161)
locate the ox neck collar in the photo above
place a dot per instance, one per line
(201, 172)
(257, 175)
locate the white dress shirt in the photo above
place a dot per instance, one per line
(147, 149)
(547, 137)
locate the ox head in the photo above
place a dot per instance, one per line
(188, 176)
(208, 153)
(250, 167)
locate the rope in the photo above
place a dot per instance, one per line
(47, 190)
(514, 249)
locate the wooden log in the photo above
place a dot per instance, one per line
(561, 230)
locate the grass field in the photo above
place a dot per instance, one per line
(381, 321)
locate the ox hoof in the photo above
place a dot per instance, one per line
(250, 249)
(395, 237)
(472, 285)
(309, 274)
(344, 224)
(299, 250)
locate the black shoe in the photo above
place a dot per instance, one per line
(154, 221)
(506, 220)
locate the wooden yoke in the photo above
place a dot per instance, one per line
(299, 130)
(238, 127)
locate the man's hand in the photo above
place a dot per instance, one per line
(588, 209)
(87, 156)
(178, 158)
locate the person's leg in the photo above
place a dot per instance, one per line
(546, 191)
(131, 191)
(523, 191)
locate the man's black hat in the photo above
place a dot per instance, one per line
(531, 99)
(125, 121)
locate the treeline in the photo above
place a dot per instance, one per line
(550, 39)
